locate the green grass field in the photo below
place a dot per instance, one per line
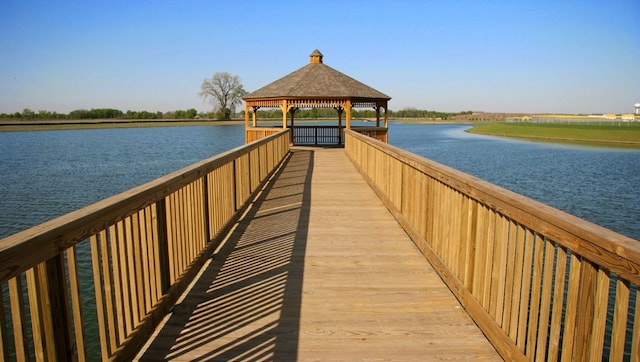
(619, 133)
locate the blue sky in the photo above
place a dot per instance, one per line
(496, 56)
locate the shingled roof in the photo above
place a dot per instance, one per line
(316, 80)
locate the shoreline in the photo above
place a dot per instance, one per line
(634, 144)
(619, 143)
(48, 125)
(66, 124)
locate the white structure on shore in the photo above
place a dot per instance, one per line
(637, 105)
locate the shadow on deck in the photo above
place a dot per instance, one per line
(246, 303)
(368, 293)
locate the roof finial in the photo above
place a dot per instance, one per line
(316, 56)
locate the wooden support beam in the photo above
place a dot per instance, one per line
(254, 115)
(340, 110)
(348, 109)
(285, 109)
(60, 335)
(292, 111)
(246, 115)
(386, 115)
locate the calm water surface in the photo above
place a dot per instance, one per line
(598, 184)
(44, 174)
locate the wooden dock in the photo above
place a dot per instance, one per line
(318, 269)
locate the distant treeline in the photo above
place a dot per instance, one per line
(103, 113)
(423, 113)
(313, 113)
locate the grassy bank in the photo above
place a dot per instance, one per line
(624, 134)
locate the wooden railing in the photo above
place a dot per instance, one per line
(540, 283)
(379, 133)
(117, 266)
(257, 133)
(333, 135)
(317, 135)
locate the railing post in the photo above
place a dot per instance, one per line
(235, 184)
(163, 245)
(205, 202)
(57, 293)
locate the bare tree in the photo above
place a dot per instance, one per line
(224, 91)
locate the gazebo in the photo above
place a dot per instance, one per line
(316, 85)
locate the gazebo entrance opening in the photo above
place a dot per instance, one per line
(316, 133)
(316, 85)
(322, 131)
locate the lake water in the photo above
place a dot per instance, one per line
(44, 174)
(598, 184)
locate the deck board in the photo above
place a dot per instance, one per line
(318, 270)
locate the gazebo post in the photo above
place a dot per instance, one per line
(246, 122)
(293, 114)
(254, 116)
(348, 109)
(246, 115)
(285, 110)
(386, 116)
(339, 109)
(377, 115)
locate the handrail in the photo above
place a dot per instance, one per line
(317, 135)
(379, 133)
(145, 244)
(253, 134)
(538, 281)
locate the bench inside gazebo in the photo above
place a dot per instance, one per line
(316, 85)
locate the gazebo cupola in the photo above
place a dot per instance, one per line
(316, 57)
(315, 85)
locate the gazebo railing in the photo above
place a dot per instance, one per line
(257, 133)
(332, 135)
(321, 135)
(379, 133)
(318, 135)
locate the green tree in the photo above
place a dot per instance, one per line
(191, 113)
(28, 114)
(224, 91)
(79, 114)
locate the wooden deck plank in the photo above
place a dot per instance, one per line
(319, 270)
